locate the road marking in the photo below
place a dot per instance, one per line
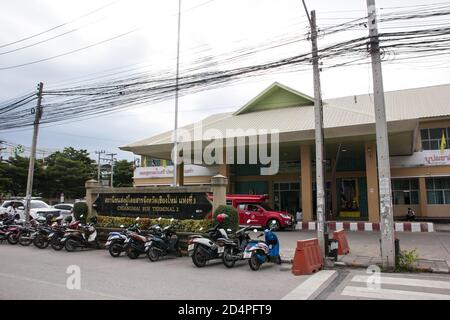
(306, 289)
(391, 294)
(12, 276)
(406, 282)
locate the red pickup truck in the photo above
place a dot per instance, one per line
(256, 209)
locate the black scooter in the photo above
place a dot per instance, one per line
(163, 243)
(234, 247)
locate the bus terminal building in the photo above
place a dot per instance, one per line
(419, 144)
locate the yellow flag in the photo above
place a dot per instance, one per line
(443, 142)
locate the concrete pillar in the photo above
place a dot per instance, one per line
(423, 197)
(306, 182)
(90, 197)
(219, 185)
(180, 174)
(224, 170)
(373, 202)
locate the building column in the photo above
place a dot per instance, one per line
(423, 197)
(180, 174)
(306, 182)
(373, 202)
(334, 189)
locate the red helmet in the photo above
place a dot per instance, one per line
(221, 217)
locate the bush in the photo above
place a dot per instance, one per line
(407, 260)
(188, 225)
(233, 217)
(80, 208)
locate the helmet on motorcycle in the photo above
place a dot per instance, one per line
(221, 217)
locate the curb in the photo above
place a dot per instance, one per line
(368, 226)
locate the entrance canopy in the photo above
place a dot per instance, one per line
(291, 113)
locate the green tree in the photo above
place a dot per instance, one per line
(123, 173)
(67, 173)
(14, 174)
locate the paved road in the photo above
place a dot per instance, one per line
(30, 273)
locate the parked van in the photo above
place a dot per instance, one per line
(256, 209)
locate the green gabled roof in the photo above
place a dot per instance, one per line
(274, 97)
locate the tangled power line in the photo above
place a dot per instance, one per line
(420, 36)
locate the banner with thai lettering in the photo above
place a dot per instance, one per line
(154, 205)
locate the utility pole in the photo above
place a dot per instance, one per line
(384, 168)
(318, 120)
(37, 118)
(99, 167)
(112, 167)
(175, 139)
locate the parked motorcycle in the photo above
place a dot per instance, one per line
(41, 239)
(83, 237)
(134, 244)
(29, 231)
(10, 229)
(259, 252)
(163, 243)
(116, 240)
(58, 231)
(203, 249)
(235, 246)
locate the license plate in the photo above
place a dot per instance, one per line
(191, 247)
(221, 249)
(247, 254)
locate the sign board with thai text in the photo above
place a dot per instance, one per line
(154, 205)
(422, 158)
(167, 172)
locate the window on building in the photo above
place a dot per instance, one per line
(438, 190)
(431, 138)
(405, 191)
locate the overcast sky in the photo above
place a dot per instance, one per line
(215, 26)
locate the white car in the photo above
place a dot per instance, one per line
(66, 209)
(38, 208)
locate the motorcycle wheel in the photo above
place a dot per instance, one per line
(227, 261)
(132, 254)
(198, 258)
(253, 262)
(24, 240)
(56, 244)
(70, 245)
(40, 242)
(115, 250)
(13, 238)
(153, 254)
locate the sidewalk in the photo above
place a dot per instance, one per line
(433, 248)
